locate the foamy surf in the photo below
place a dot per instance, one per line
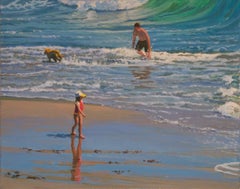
(231, 109)
(104, 5)
(232, 168)
(184, 90)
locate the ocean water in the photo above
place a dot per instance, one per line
(191, 82)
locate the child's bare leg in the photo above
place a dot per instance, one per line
(80, 124)
(75, 125)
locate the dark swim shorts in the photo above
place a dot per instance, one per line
(142, 44)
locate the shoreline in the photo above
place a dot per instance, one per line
(107, 113)
(107, 162)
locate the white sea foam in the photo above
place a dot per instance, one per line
(27, 74)
(28, 5)
(119, 55)
(228, 79)
(105, 56)
(230, 109)
(169, 79)
(9, 32)
(104, 5)
(232, 168)
(172, 122)
(51, 86)
(48, 86)
(13, 89)
(183, 57)
(199, 94)
(50, 36)
(228, 92)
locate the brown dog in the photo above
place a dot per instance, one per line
(53, 54)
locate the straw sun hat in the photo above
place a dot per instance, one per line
(80, 94)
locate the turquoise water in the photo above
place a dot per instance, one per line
(174, 25)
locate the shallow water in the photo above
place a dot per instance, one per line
(129, 150)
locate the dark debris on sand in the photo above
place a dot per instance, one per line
(44, 151)
(119, 172)
(119, 152)
(151, 161)
(18, 174)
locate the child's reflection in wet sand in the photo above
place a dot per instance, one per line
(77, 159)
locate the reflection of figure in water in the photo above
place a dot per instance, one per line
(141, 72)
(142, 76)
(77, 159)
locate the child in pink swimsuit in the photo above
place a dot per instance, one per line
(78, 114)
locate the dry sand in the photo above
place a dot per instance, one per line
(13, 108)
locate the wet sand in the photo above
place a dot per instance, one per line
(139, 183)
(122, 149)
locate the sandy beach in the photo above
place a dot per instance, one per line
(121, 150)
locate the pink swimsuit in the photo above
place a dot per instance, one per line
(81, 107)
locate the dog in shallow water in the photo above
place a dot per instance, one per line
(53, 54)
